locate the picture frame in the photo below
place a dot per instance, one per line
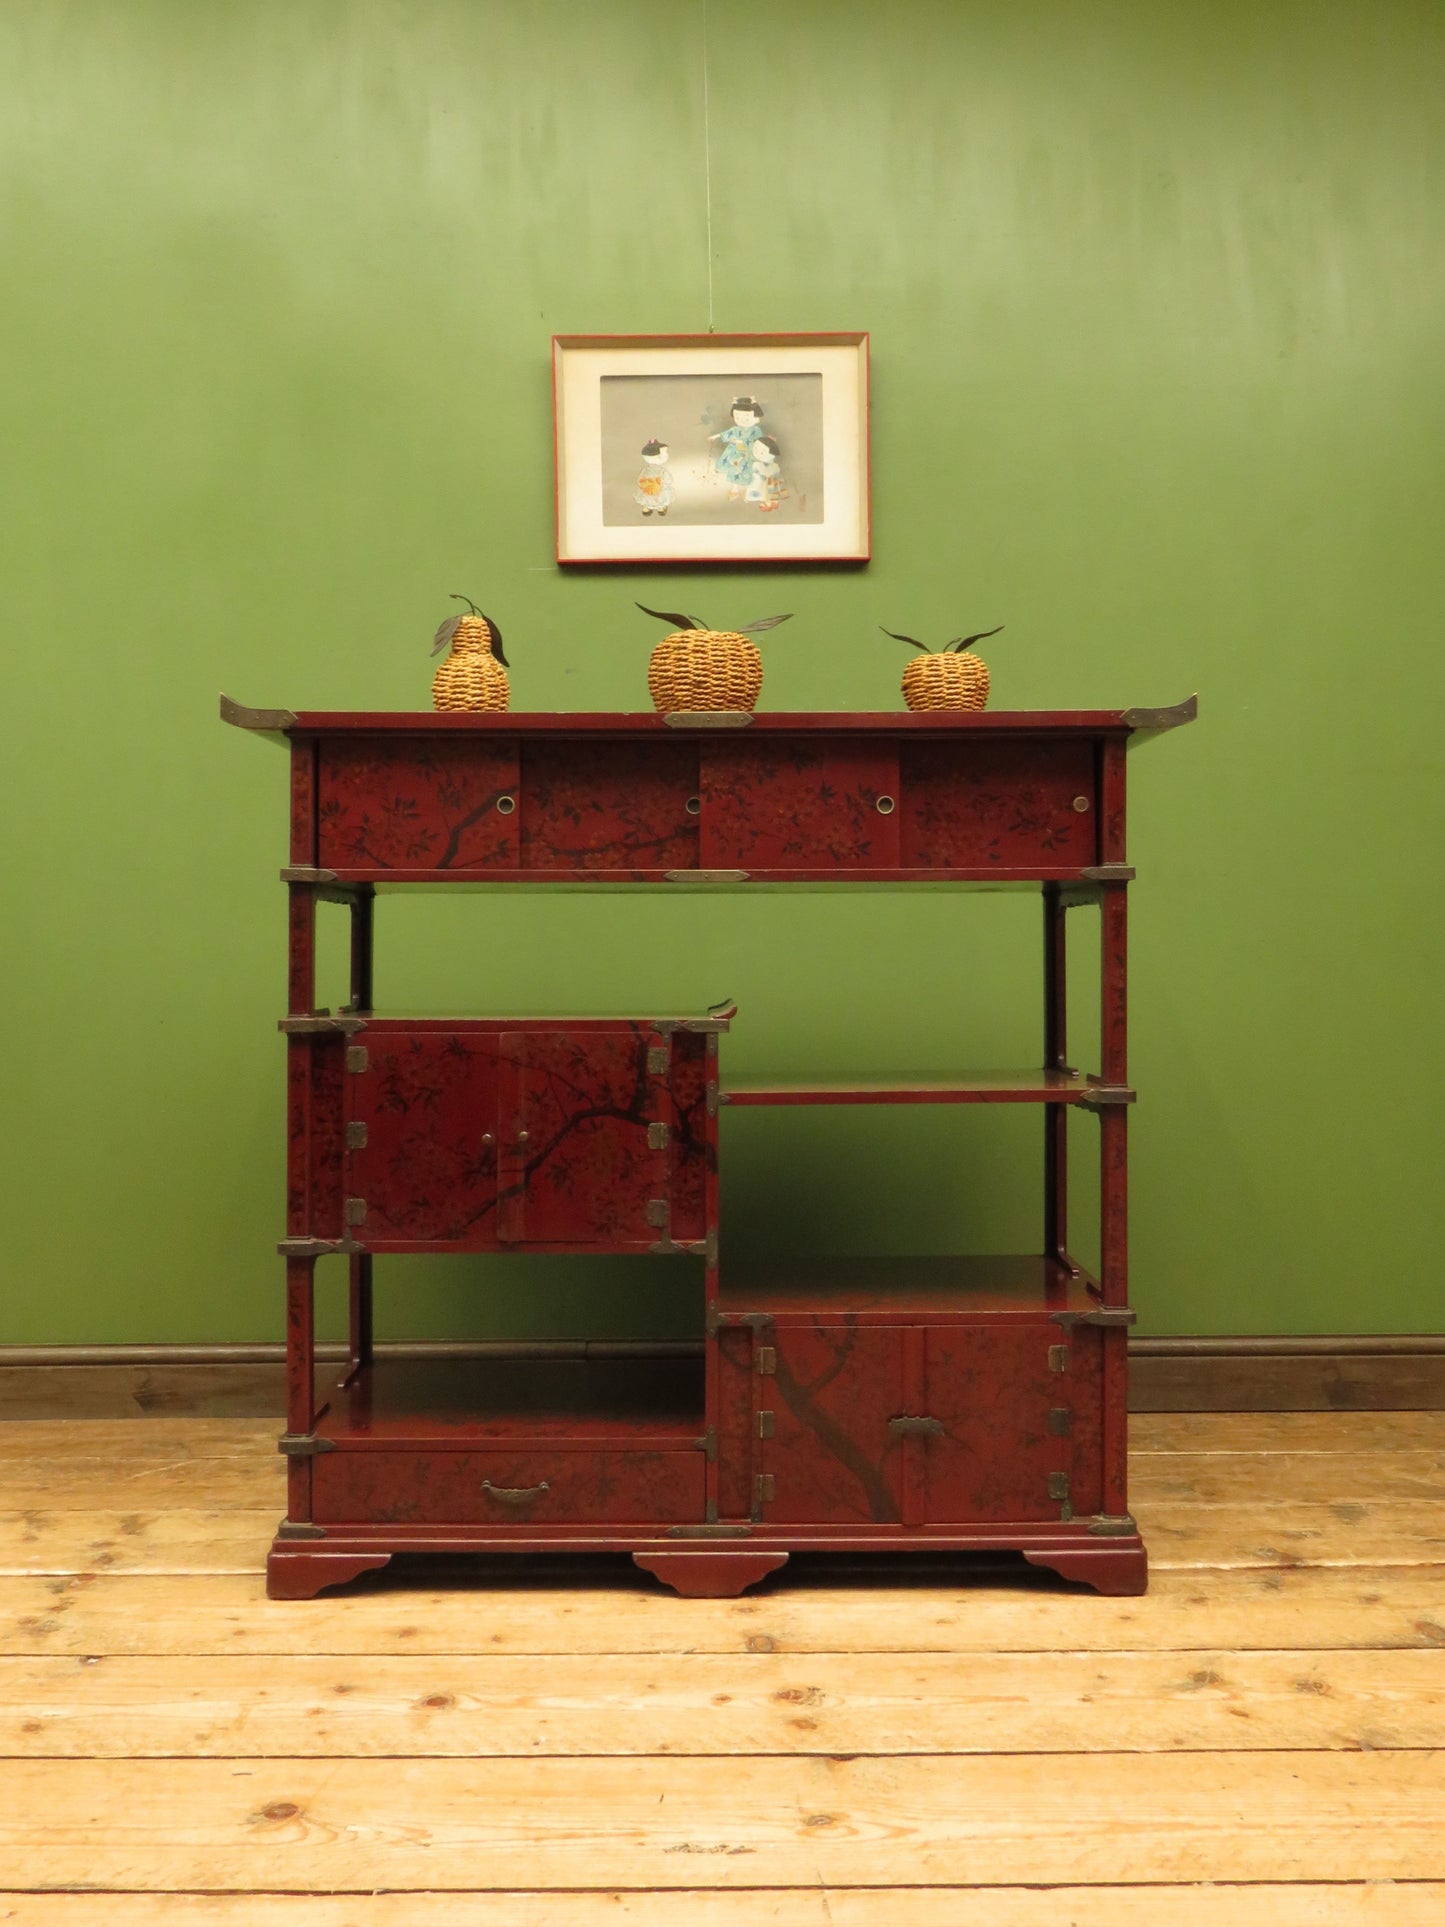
(717, 448)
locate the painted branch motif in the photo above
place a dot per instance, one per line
(588, 1173)
(1003, 804)
(800, 805)
(610, 806)
(692, 1155)
(837, 1460)
(527, 1136)
(426, 803)
(314, 1134)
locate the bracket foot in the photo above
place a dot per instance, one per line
(709, 1575)
(294, 1573)
(1118, 1567)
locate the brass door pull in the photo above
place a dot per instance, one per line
(515, 1494)
(916, 1428)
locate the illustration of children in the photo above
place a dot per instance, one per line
(654, 491)
(765, 486)
(734, 459)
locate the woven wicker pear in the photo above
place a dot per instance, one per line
(948, 678)
(697, 668)
(474, 675)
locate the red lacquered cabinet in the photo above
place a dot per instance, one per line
(834, 1403)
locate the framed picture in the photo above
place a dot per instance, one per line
(711, 448)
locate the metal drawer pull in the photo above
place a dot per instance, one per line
(916, 1428)
(515, 1494)
(885, 805)
(506, 805)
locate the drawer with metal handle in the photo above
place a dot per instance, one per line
(508, 1486)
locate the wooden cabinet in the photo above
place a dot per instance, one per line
(838, 1402)
(478, 1136)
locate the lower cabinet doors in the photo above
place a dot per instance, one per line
(1019, 1416)
(933, 1425)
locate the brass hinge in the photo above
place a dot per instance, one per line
(1100, 1097)
(657, 1213)
(709, 1246)
(754, 1321)
(1059, 1489)
(1106, 1315)
(1060, 1419)
(1058, 1358)
(1112, 1526)
(765, 1489)
(767, 1361)
(299, 1529)
(707, 1444)
(356, 1135)
(657, 1137)
(658, 1058)
(303, 1445)
(713, 1100)
(709, 1512)
(767, 1424)
(357, 1058)
(322, 1025)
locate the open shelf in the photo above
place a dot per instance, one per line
(642, 1403)
(882, 1290)
(965, 1087)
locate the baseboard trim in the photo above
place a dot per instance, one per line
(1271, 1374)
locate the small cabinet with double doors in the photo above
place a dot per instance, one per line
(452, 1135)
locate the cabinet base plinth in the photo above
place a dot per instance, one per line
(1116, 1566)
(710, 1575)
(292, 1573)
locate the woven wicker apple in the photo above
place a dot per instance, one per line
(947, 678)
(473, 675)
(697, 668)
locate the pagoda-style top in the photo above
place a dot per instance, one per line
(416, 722)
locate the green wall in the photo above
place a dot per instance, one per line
(1156, 303)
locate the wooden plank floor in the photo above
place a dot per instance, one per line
(1260, 1739)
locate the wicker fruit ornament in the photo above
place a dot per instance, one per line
(947, 678)
(473, 675)
(697, 668)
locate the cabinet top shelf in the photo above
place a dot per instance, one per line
(999, 722)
